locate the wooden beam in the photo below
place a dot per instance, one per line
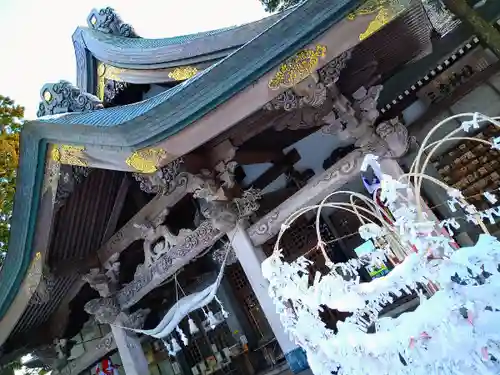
(276, 170)
(243, 157)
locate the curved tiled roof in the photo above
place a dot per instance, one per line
(147, 43)
(144, 124)
(155, 53)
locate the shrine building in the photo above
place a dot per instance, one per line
(167, 171)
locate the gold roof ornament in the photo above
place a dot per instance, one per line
(297, 68)
(47, 96)
(71, 155)
(146, 160)
(182, 73)
(386, 11)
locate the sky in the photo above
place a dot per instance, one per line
(36, 47)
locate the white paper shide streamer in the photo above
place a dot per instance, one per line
(455, 330)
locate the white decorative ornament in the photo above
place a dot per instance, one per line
(455, 330)
(181, 334)
(223, 311)
(193, 328)
(170, 351)
(490, 197)
(175, 346)
(212, 320)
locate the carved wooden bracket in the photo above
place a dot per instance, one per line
(311, 90)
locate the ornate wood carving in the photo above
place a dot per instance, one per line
(107, 21)
(64, 97)
(311, 90)
(148, 278)
(183, 184)
(348, 120)
(69, 178)
(161, 181)
(104, 281)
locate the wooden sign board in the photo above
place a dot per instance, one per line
(456, 75)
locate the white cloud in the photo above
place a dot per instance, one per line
(36, 43)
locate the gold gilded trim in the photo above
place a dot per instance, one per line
(182, 73)
(146, 160)
(386, 10)
(297, 68)
(105, 72)
(51, 175)
(72, 155)
(113, 73)
(101, 69)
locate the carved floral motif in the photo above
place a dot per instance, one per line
(297, 68)
(64, 97)
(248, 203)
(219, 254)
(222, 214)
(163, 180)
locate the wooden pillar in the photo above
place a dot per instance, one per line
(484, 30)
(251, 258)
(129, 347)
